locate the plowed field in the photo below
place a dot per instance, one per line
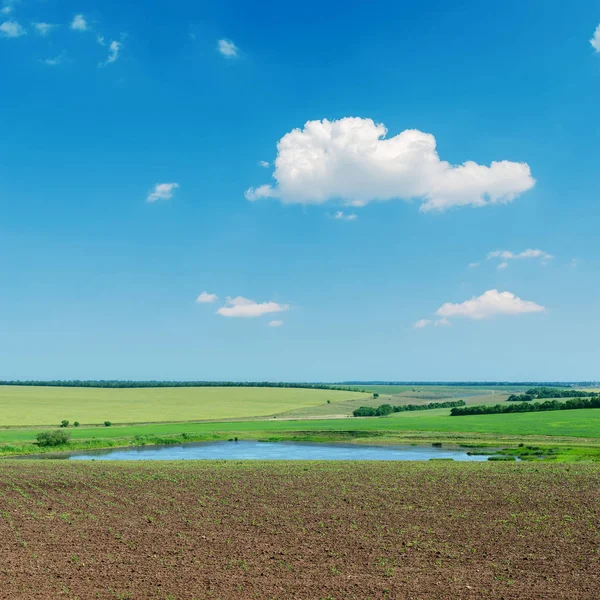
(299, 530)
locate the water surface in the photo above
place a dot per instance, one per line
(252, 450)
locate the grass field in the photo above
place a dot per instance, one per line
(165, 415)
(572, 423)
(23, 405)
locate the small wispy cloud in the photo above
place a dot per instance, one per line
(162, 191)
(437, 323)
(595, 41)
(507, 255)
(79, 23)
(11, 29)
(442, 323)
(8, 7)
(264, 163)
(243, 307)
(113, 51)
(473, 265)
(342, 216)
(44, 28)
(206, 298)
(275, 323)
(227, 48)
(54, 61)
(422, 323)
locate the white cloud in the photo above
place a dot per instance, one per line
(574, 263)
(275, 323)
(264, 163)
(79, 23)
(489, 304)
(100, 39)
(341, 216)
(44, 28)
(6, 10)
(529, 253)
(227, 48)
(113, 51)
(351, 160)
(423, 323)
(242, 307)
(206, 298)
(437, 323)
(11, 29)
(162, 191)
(502, 265)
(595, 41)
(473, 265)
(55, 60)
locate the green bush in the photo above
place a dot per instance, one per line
(107, 423)
(64, 423)
(384, 410)
(52, 438)
(76, 423)
(365, 411)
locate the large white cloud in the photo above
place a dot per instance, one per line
(595, 41)
(489, 304)
(242, 307)
(352, 161)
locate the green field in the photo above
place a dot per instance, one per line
(167, 415)
(572, 423)
(26, 405)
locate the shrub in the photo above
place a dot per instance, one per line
(365, 411)
(375, 395)
(76, 423)
(52, 438)
(64, 423)
(107, 423)
(384, 410)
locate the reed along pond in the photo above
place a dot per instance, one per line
(253, 450)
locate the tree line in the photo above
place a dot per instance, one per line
(521, 384)
(387, 409)
(118, 383)
(573, 404)
(539, 393)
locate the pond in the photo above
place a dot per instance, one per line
(253, 450)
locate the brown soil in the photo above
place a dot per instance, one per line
(299, 530)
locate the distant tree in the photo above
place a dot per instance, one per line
(384, 410)
(76, 423)
(365, 411)
(375, 395)
(107, 423)
(52, 438)
(64, 423)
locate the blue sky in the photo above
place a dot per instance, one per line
(99, 282)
